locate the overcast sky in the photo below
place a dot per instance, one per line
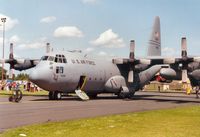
(102, 27)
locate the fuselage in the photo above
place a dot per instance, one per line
(62, 71)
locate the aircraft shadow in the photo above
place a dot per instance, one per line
(157, 98)
(63, 99)
(78, 99)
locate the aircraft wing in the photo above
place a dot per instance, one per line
(21, 64)
(184, 61)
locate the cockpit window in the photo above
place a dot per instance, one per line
(44, 58)
(57, 59)
(60, 59)
(51, 58)
(64, 60)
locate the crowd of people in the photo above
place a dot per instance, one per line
(9, 85)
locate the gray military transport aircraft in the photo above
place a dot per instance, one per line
(72, 71)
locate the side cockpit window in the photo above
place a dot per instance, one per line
(44, 58)
(51, 58)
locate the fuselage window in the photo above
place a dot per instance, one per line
(77, 61)
(73, 61)
(59, 69)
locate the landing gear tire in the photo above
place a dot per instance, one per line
(126, 95)
(131, 94)
(122, 95)
(51, 95)
(58, 95)
(55, 95)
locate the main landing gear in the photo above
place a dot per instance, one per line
(55, 95)
(125, 93)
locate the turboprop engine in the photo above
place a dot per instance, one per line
(168, 73)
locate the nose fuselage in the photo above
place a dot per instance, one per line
(41, 75)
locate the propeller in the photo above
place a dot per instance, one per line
(185, 59)
(188, 63)
(131, 60)
(11, 58)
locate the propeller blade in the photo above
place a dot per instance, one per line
(132, 50)
(196, 59)
(130, 76)
(11, 56)
(169, 61)
(145, 61)
(184, 76)
(183, 47)
(118, 61)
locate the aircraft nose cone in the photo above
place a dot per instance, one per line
(39, 76)
(33, 76)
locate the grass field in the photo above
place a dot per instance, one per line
(178, 122)
(25, 93)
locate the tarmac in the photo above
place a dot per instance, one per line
(38, 109)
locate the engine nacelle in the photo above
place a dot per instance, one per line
(168, 73)
(115, 83)
(195, 74)
(193, 66)
(24, 64)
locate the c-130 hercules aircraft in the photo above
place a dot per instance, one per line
(71, 71)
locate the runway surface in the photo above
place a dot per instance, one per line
(38, 109)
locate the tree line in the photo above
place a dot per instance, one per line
(21, 76)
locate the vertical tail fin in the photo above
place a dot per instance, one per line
(154, 45)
